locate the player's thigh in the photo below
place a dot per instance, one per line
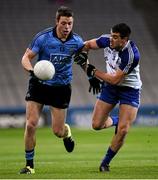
(127, 115)
(101, 111)
(58, 117)
(33, 111)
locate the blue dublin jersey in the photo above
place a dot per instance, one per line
(49, 47)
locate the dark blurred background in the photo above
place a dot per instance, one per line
(20, 20)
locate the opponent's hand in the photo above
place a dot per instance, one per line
(95, 85)
(81, 58)
(91, 70)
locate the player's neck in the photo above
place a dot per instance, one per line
(125, 44)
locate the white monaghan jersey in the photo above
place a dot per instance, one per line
(127, 60)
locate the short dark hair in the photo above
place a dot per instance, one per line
(64, 11)
(123, 29)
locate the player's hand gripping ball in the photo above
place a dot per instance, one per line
(44, 70)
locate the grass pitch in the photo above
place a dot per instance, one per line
(138, 159)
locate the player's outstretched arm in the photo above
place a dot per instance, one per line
(81, 58)
(113, 79)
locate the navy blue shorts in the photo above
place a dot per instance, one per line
(56, 96)
(113, 94)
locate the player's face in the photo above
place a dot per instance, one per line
(64, 26)
(116, 42)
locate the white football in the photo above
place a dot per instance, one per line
(44, 70)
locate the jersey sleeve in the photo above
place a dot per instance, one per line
(36, 44)
(129, 60)
(103, 41)
(80, 43)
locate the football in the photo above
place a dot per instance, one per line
(44, 70)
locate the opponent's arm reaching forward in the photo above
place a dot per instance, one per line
(81, 58)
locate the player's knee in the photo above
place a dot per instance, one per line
(30, 127)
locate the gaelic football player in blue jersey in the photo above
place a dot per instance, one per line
(122, 84)
(57, 45)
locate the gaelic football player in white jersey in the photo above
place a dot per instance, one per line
(122, 84)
